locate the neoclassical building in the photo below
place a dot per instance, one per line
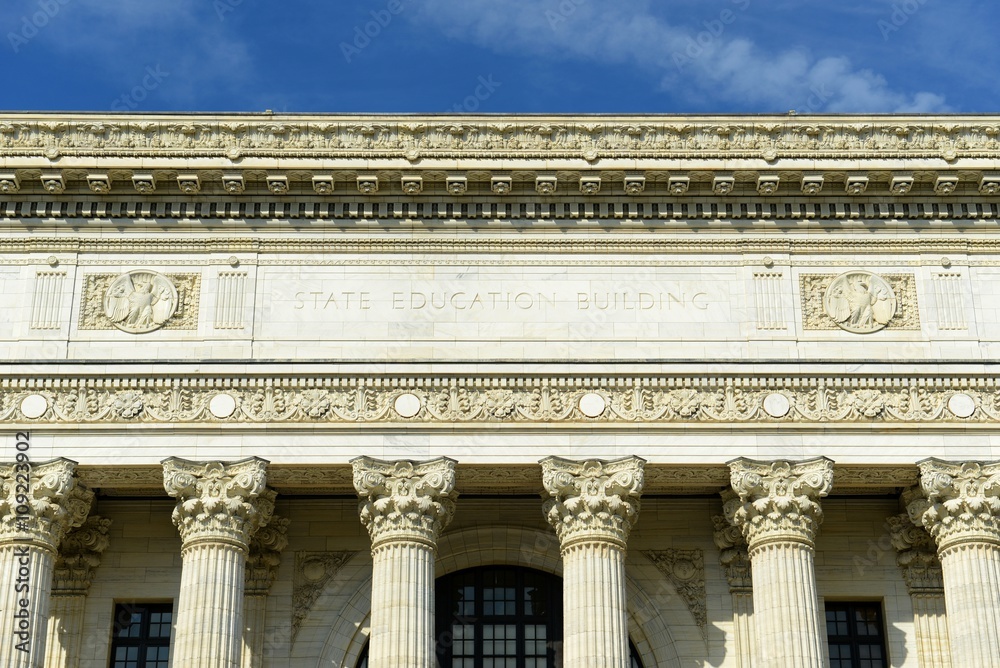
(499, 391)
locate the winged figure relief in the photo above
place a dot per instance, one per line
(860, 302)
(140, 302)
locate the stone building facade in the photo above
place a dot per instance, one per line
(526, 391)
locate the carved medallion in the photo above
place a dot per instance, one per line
(140, 301)
(860, 302)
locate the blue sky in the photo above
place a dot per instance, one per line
(625, 56)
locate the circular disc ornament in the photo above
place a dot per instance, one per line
(962, 405)
(222, 406)
(593, 405)
(407, 405)
(34, 406)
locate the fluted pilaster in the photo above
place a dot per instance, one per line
(79, 556)
(219, 508)
(261, 567)
(404, 505)
(592, 505)
(776, 506)
(39, 505)
(916, 556)
(736, 566)
(960, 508)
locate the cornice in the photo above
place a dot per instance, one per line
(412, 138)
(310, 401)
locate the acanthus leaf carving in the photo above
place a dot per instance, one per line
(592, 500)
(56, 502)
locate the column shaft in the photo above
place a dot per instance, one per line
(786, 610)
(972, 590)
(210, 607)
(931, 624)
(402, 616)
(595, 632)
(24, 627)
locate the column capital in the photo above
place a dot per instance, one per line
(405, 500)
(80, 555)
(732, 553)
(960, 502)
(916, 556)
(592, 500)
(54, 498)
(778, 501)
(218, 502)
(265, 555)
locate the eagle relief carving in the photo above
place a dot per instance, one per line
(860, 302)
(140, 301)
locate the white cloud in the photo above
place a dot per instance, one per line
(712, 64)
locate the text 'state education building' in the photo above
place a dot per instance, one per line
(499, 391)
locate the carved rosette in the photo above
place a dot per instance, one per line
(960, 502)
(778, 501)
(404, 500)
(57, 502)
(592, 500)
(218, 502)
(264, 555)
(916, 556)
(733, 554)
(79, 556)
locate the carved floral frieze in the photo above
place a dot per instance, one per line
(412, 138)
(472, 400)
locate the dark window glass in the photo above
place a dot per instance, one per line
(501, 617)
(856, 636)
(141, 635)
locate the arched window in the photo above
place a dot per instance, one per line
(501, 617)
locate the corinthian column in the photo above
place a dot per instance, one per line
(38, 507)
(777, 508)
(79, 556)
(592, 505)
(219, 507)
(960, 508)
(917, 558)
(405, 506)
